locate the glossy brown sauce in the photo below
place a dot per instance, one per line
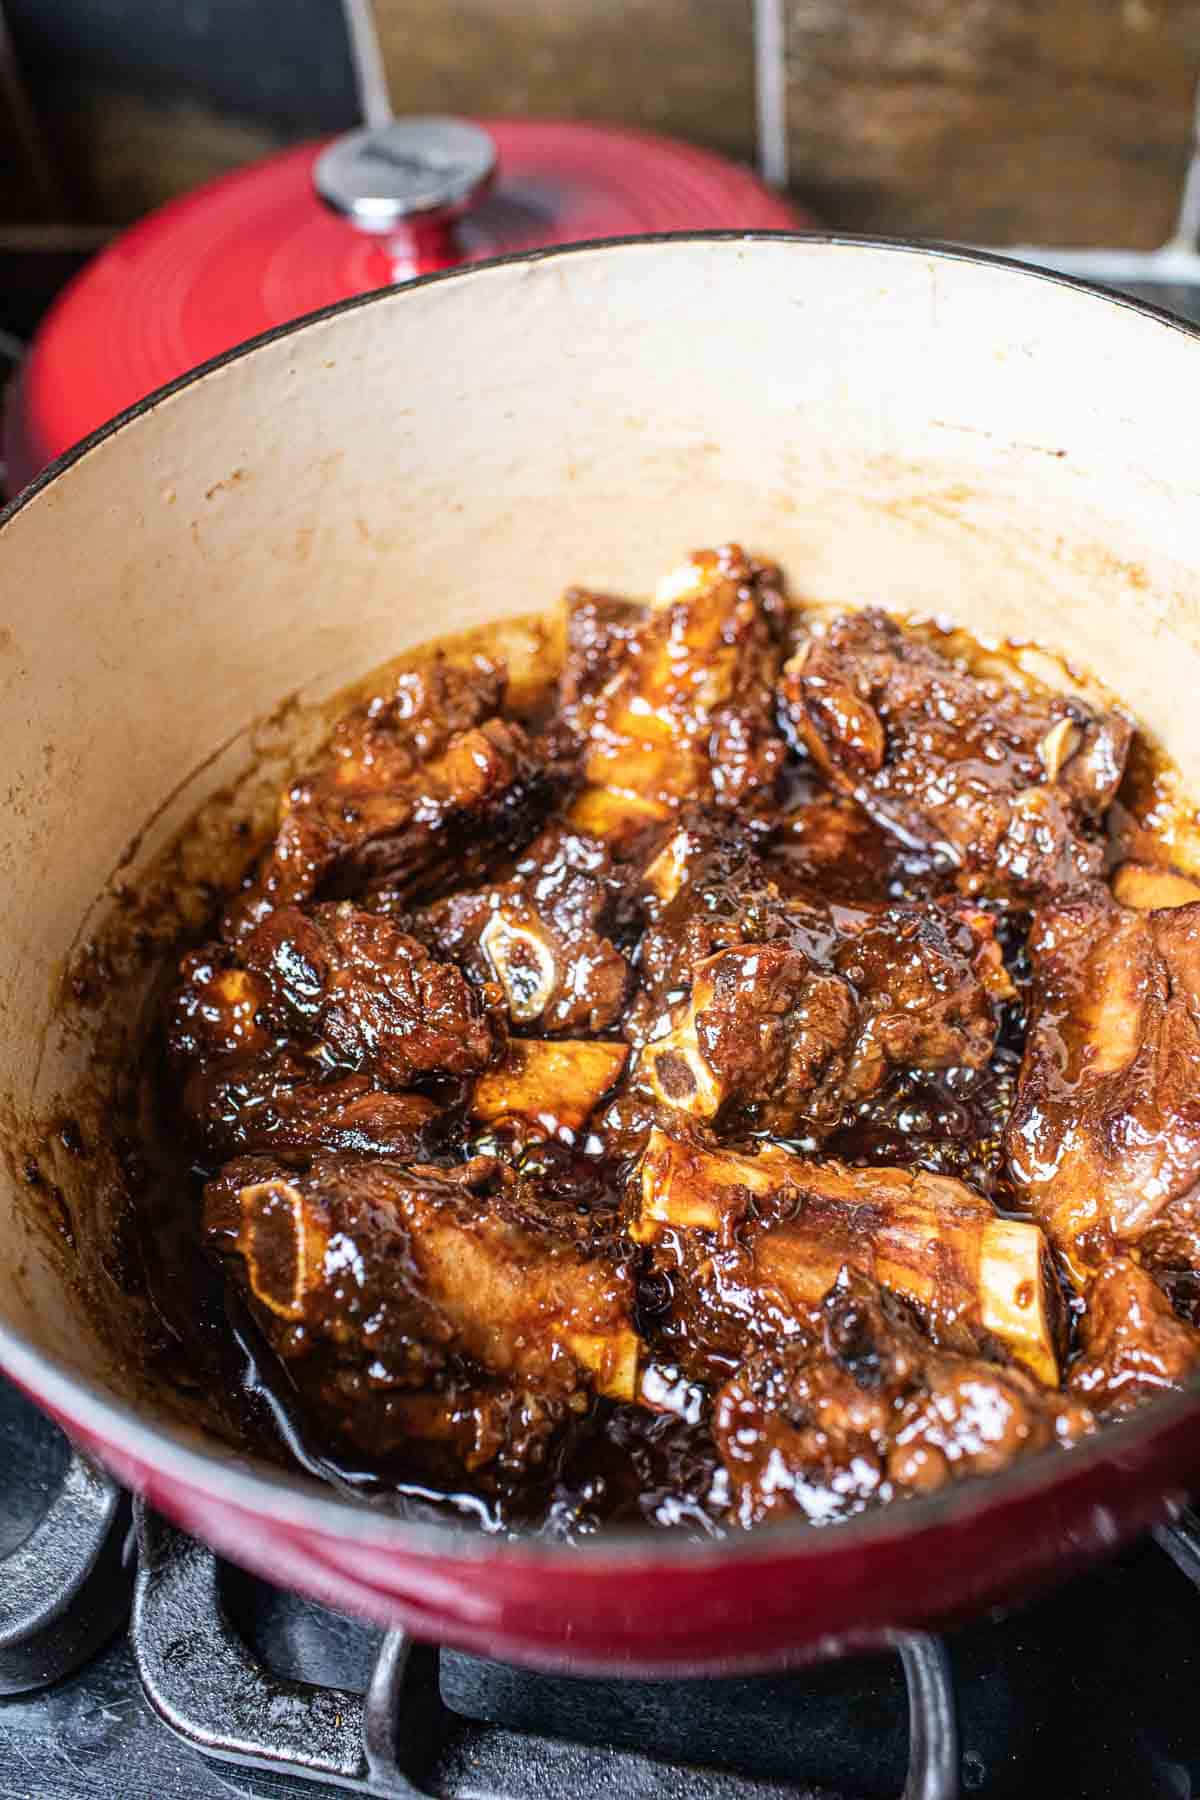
(619, 1462)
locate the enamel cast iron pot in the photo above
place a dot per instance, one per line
(927, 429)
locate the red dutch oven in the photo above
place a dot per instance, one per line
(926, 428)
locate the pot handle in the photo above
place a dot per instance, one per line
(409, 181)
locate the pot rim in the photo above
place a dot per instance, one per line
(299, 1500)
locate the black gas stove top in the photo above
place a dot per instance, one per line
(1089, 1693)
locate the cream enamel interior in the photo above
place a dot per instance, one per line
(894, 425)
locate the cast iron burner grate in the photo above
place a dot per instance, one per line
(402, 1738)
(1087, 1694)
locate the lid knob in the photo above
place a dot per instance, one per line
(411, 171)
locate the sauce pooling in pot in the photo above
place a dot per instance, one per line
(696, 1094)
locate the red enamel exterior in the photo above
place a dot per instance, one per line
(255, 249)
(785, 1597)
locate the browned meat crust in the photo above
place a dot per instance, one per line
(867, 1411)
(410, 779)
(412, 1302)
(543, 935)
(1005, 785)
(782, 1011)
(308, 1032)
(674, 703)
(1104, 1140)
(1105, 1135)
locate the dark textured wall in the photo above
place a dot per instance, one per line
(141, 99)
(682, 66)
(996, 120)
(1046, 121)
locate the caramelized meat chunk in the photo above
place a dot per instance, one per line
(1150, 888)
(374, 996)
(763, 1031)
(408, 781)
(867, 1410)
(276, 1104)
(1131, 1344)
(794, 1027)
(751, 1244)
(543, 935)
(1003, 784)
(673, 703)
(411, 1302)
(303, 1035)
(1104, 1140)
(924, 979)
(704, 889)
